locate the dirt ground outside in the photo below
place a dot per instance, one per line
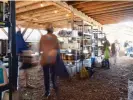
(109, 84)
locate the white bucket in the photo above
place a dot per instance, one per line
(130, 89)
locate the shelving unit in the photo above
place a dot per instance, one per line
(85, 37)
(81, 39)
(98, 38)
(8, 19)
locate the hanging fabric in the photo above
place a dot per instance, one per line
(20, 43)
(61, 69)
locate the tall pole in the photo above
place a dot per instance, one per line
(82, 43)
(13, 61)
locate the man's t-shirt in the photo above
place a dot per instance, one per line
(49, 46)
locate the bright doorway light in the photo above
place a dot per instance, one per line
(128, 23)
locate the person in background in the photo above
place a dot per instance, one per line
(113, 52)
(117, 46)
(48, 49)
(126, 44)
(21, 46)
(106, 52)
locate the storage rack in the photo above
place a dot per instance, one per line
(7, 19)
(84, 30)
(82, 34)
(97, 41)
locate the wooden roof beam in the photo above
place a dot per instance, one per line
(111, 11)
(33, 6)
(76, 12)
(103, 19)
(52, 21)
(46, 19)
(20, 4)
(112, 16)
(115, 8)
(90, 4)
(74, 3)
(107, 5)
(125, 11)
(65, 21)
(47, 15)
(115, 15)
(109, 22)
(39, 10)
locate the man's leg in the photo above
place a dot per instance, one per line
(53, 77)
(108, 63)
(46, 80)
(113, 59)
(54, 80)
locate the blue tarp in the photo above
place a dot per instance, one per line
(20, 43)
(130, 49)
(61, 69)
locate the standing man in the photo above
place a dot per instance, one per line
(49, 48)
(106, 52)
(117, 46)
(114, 53)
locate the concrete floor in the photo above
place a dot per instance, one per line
(104, 85)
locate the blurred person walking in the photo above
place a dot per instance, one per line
(117, 46)
(114, 53)
(106, 52)
(48, 49)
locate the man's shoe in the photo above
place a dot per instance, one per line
(46, 96)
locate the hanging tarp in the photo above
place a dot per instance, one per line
(20, 43)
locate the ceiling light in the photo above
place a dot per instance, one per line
(55, 11)
(41, 5)
(67, 15)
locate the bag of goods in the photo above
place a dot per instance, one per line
(29, 57)
(84, 73)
